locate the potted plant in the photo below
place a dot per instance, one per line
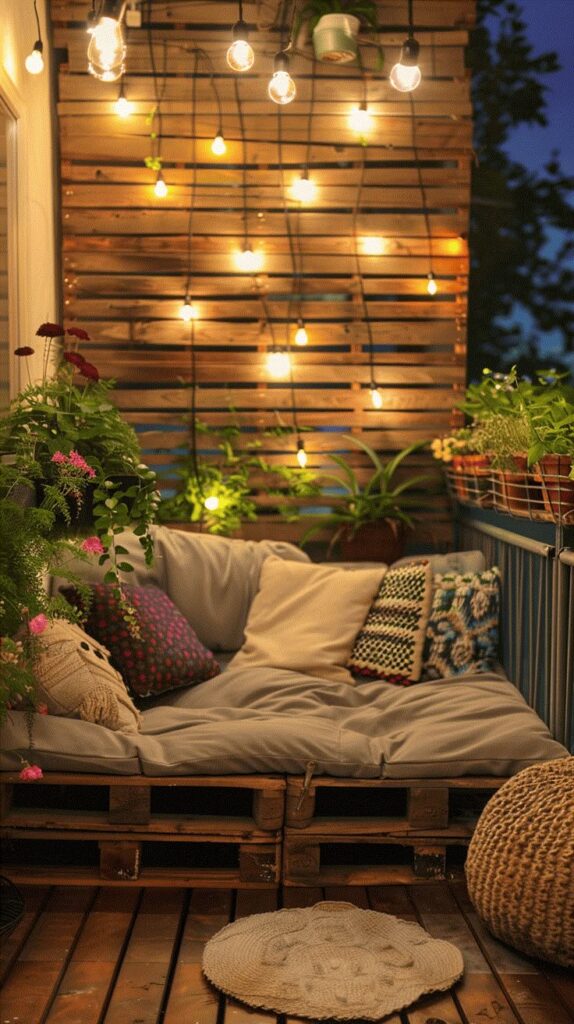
(372, 520)
(335, 24)
(551, 417)
(467, 469)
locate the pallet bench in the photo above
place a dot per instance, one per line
(186, 830)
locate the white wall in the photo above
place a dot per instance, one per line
(28, 97)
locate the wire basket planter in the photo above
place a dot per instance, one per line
(542, 492)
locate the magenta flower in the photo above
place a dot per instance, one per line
(25, 350)
(49, 330)
(75, 358)
(78, 462)
(42, 709)
(38, 624)
(59, 458)
(78, 332)
(31, 773)
(92, 546)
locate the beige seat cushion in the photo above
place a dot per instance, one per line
(305, 617)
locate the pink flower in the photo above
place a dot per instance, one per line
(42, 709)
(31, 773)
(59, 457)
(49, 330)
(92, 545)
(25, 350)
(78, 332)
(38, 624)
(78, 462)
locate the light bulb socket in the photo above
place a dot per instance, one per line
(410, 52)
(300, 444)
(281, 61)
(240, 31)
(363, 105)
(38, 47)
(430, 276)
(300, 322)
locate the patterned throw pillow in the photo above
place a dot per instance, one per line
(168, 655)
(390, 644)
(462, 634)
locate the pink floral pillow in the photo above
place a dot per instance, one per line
(167, 656)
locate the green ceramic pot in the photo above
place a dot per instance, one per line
(335, 38)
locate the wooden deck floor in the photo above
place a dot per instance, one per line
(89, 956)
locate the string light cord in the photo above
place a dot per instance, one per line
(37, 21)
(244, 152)
(193, 175)
(364, 308)
(422, 188)
(159, 91)
(296, 275)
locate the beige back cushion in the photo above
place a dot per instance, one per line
(305, 617)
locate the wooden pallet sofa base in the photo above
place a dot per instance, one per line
(216, 831)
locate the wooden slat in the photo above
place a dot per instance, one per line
(191, 997)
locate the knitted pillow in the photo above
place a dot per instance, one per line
(167, 655)
(462, 633)
(390, 644)
(76, 680)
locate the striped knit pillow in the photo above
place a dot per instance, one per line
(391, 642)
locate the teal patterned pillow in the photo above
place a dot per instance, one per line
(462, 632)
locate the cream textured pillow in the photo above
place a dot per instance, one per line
(76, 680)
(305, 617)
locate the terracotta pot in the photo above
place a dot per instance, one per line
(556, 487)
(460, 482)
(374, 542)
(522, 493)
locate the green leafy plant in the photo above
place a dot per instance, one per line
(377, 500)
(364, 10)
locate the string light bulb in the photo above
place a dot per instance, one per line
(376, 396)
(432, 286)
(240, 55)
(281, 88)
(360, 121)
(301, 453)
(107, 46)
(248, 261)
(218, 146)
(303, 189)
(278, 363)
(211, 503)
(373, 245)
(34, 62)
(301, 336)
(122, 106)
(406, 75)
(160, 188)
(188, 311)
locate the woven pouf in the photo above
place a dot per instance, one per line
(520, 864)
(332, 961)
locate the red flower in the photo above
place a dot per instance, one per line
(49, 330)
(90, 371)
(78, 332)
(75, 358)
(24, 351)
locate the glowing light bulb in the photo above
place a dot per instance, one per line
(107, 50)
(123, 107)
(406, 75)
(301, 336)
(188, 311)
(432, 286)
(34, 62)
(240, 54)
(278, 363)
(281, 88)
(373, 246)
(376, 396)
(218, 147)
(303, 189)
(160, 187)
(360, 121)
(301, 453)
(248, 261)
(211, 503)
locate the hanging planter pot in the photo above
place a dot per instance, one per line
(335, 38)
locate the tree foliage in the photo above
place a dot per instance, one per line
(521, 219)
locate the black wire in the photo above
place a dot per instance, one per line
(295, 276)
(420, 180)
(241, 10)
(37, 21)
(193, 174)
(244, 149)
(158, 92)
(365, 310)
(411, 23)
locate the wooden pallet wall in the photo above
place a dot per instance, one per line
(125, 252)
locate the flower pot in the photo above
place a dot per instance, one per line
(374, 542)
(556, 487)
(335, 38)
(477, 469)
(460, 482)
(522, 495)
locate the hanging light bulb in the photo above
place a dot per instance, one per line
(432, 286)
(211, 503)
(34, 62)
(376, 396)
(278, 363)
(107, 46)
(303, 189)
(122, 106)
(301, 453)
(281, 88)
(160, 188)
(218, 146)
(248, 261)
(406, 75)
(240, 55)
(188, 311)
(360, 121)
(301, 336)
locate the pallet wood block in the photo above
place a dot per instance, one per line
(119, 860)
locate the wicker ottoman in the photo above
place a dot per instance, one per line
(520, 864)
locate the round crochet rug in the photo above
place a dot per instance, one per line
(330, 961)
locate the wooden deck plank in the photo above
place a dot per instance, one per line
(256, 901)
(34, 899)
(191, 996)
